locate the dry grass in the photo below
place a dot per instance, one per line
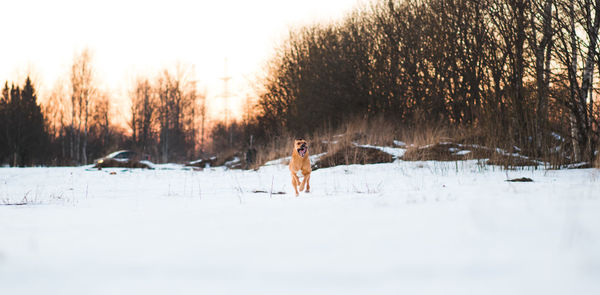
(279, 147)
(428, 142)
(510, 162)
(338, 144)
(426, 135)
(438, 143)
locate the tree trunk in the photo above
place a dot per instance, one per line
(543, 52)
(574, 116)
(518, 72)
(72, 135)
(85, 133)
(587, 78)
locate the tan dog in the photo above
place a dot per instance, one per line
(300, 161)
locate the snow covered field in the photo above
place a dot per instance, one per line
(398, 228)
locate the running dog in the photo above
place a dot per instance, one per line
(300, 162)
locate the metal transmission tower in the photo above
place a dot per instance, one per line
(226, 93)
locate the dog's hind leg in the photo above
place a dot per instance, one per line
(305, 180)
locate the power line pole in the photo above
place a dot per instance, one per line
(226, 95)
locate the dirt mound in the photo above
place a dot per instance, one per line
(202, 162)
(353, 155)
(445, 152)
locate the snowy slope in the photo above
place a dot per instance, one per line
(397, 228)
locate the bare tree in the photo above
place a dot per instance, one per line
(509, 18)
(577, 35)
(143, 115)
(541, 43)
(83, 91)
(100, 122)
(177, 102)
(202, 113)
(56, 111)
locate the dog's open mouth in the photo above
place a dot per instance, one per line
(302, 151)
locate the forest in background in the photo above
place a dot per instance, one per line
(75, 126)
(514, 73)
(517, 74)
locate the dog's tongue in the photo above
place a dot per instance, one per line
(302, 151)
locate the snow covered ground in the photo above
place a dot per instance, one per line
(397, 228)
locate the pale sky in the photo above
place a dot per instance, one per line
(133, 37)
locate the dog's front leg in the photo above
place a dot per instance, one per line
(307, 177)
(305, 180)
(295, 182)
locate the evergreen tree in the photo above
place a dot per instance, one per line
(22, 135)
(4, 123)
(34, 137)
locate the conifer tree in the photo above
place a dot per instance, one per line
(22, 136)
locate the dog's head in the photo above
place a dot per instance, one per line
(301, 147)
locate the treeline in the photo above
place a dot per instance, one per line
(517, 74)
(520, 72)
(77, 123)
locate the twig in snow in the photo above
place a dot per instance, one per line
(238, 188)
(271, 192)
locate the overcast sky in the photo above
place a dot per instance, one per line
(133, 37)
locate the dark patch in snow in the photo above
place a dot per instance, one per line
(266, 192)
(522, 179)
